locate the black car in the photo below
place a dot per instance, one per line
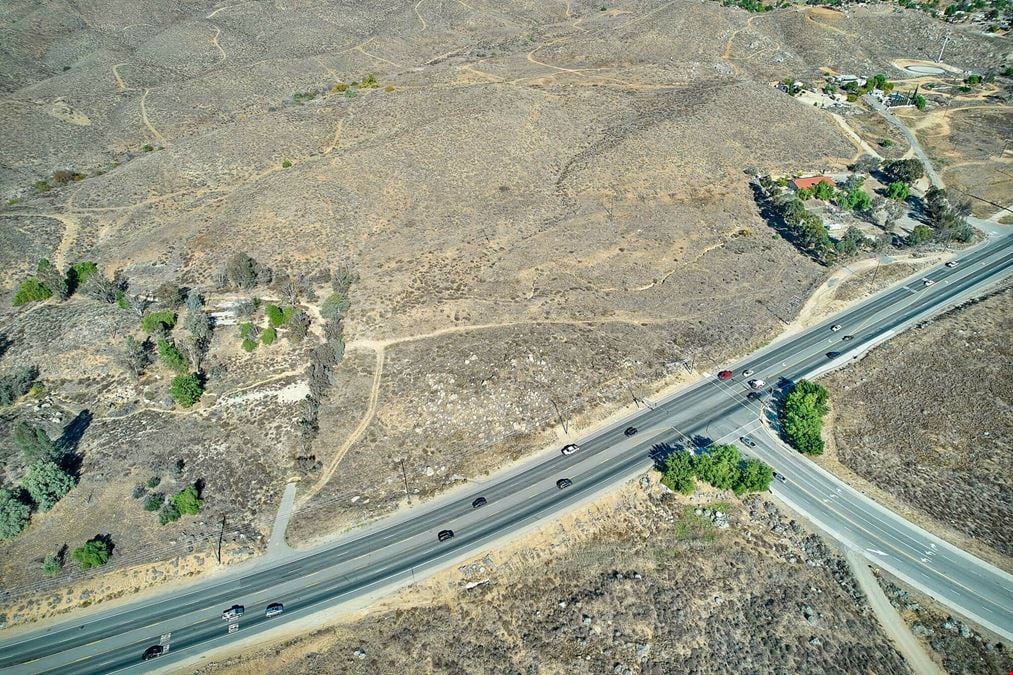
(478, 503)
(444, 535)
(833, 355)
(630, 431)
(754, 396)
(153, 652)
(564, 483)
(848, 338)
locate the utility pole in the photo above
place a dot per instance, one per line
(221, 536)
(404, 474)
(562, 422)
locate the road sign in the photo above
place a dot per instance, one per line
(233, 627)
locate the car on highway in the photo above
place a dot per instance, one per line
(630, 431)
(780, 477)
(479, 503)
(833, 355)
(755, 395)
(725, 375)
(564, 483)
(570, 449)
(233, 612)
(757, 384)
(152, 652)
(444, 535)
(848, 338)
(274, 609)
(928, 282)
(747, 372)
(836, 327)
(748, 441)
(952, 264)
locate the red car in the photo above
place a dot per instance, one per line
(725, 375)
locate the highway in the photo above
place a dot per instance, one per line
(396, 549)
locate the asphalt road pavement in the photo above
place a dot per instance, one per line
(394, 550)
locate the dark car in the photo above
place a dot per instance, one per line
(445, 535)
(630, 431)
(780, 477)
(564, 483)
(755, 395)
(833, 355)
(153, 652)
(848, 338)
(274, 609)
(233, 612)
(725, 375)
(479, 502)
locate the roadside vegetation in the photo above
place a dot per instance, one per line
(722, 466)
(802, 412)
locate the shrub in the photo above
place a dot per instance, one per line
(678, 472)
(51, 565)
(886, 142)
(334, 306)
(31, 290)
(158, 322)
(286, 164)
(154, 481)
(246, 330)
(34, 443)
(14, 515)
(121, 300)
(389, 88)
(186, 389)
(919, 235)
(249, 345)
(136, 355)
(298, 326)
(52, 278)
(802, 416)
(269, 336)
(276, 315)
(168, 514)
(171, 357)
(17, 383)
(188, 502)
(94, 553)
(139, 491)
(898, 190)
(154, 501)
(47, 484)
(79, 273)
(147, 147)
(339, 87)
(369, 82)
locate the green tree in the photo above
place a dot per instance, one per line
(249, 345)
(269, 336)
(188, 502)
(15, 384)
(920, 101)
(154, 501)
(898, 190)
(919, 235)
(47, 484)
(168, 514)
(34, 443)
(754, 476)
(677, 473)
(51, 565)
(334, 306)
(186, 389)
(719, 466)
(53, 279)
(157, 323)
(78, 275)
(823, 190)
(802, 416)
(850, 243)
(276, 315)
(906, 170)
(14, 515)
(171, 357)
(94, 553)
(31, 290)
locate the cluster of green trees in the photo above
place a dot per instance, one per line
(753, 5)
(48, 281)
(94, 553)
(44, 483)
(295, 320)
(802, 413)
(17, 383)
(720, 465)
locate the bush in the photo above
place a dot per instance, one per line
(14, 515)
(94, 553)
(79, 273)
(51, 565)
(246, 330)
(269, 336)
(139, 491)
(154, 501)
(298, 326)
(171, 357)
(249, 345)
(136, 356)
(159, 322)
(898, 190)
(168, 514)
(186, 390)
(188, 502)
(286, 164)
(31, 290)
(886, 142)
(47, 484)
(802, 416)
(677, 474)
(17, 383)
(34, 443)
(919, 235)
(52, 278)
(334, 306)
(905, 170)
(276, 315)
(754, 476)
(154, 481)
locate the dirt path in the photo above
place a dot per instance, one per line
(854, 137)
(70, 233)
(214, 41)
(893, 625)
(120, 84)
(147, 122)
(421, 20)
(362, 51)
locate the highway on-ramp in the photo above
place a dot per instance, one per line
(392, 551)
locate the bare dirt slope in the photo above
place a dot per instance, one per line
(926, 418)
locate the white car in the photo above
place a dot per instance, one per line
(928, 282)
(757, 384)
(836, 327)
(747, 372)
(952, 264)
(570, 449)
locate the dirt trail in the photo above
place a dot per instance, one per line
(120, 84)
(421, 20)
(362, 51)
(214, 41)
(147, 122)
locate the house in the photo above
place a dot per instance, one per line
(810, 182)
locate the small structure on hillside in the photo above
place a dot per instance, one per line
(797, 184)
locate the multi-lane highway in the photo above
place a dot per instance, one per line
(396, 549)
